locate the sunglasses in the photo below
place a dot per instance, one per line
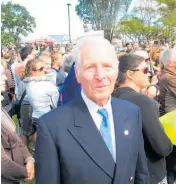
(145, 70)
(40, 69)
(147, 59)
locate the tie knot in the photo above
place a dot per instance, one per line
(103, 113)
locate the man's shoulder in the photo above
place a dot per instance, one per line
(126, 110)
(124, 104)
(59, 112)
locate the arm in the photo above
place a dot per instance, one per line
(53, 92)
(23, 148)
(152, 129)
(141, 174)
(10, 169)
(46, 157)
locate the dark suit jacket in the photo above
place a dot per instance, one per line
(71, 88)
(157, 144)
(70, 149)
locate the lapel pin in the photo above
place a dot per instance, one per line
(126, 132)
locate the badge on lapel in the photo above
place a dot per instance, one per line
(126, 132)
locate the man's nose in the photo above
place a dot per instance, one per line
(100, 73)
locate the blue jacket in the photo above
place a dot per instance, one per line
(71, 88)
(70, 149)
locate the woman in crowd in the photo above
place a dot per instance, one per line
(132, 78)
(25, 123)
(42, 94)
(16, 162)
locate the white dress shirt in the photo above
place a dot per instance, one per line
(93, 109)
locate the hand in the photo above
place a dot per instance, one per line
(152, 92)
(30, 170)
(154, 80)
(14, 98)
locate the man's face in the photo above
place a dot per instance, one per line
(171, 63)
(98, 71)
(135, 45)
(172, 66)
(129, 46)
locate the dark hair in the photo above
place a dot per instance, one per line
(127, 62)
(156, 42)
(127, 44)
(25, 52)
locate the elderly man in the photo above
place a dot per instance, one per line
(168, 81)
(168, 101)
(96, 138)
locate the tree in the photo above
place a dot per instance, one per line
(131, 27)
(150, 19)
(6, 39)
(16, 21)
(101, 14)
(168, 17)
(147, 11)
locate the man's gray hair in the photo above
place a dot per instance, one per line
(166, 55)
(68, 61)
(76, 53)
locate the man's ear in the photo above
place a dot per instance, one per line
(77, 73)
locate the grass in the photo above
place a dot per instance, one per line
(30, 147)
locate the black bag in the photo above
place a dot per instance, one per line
(17, 106)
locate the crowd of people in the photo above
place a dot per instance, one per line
(91, 112)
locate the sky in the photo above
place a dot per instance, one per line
(51, 17)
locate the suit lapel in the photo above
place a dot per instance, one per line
(121, 128)
(87, 135)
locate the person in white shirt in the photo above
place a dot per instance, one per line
(42, 94)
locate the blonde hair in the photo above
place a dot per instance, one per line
(44, 55)
(29, 68)
(55, 56)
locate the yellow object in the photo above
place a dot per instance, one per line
(169, 123)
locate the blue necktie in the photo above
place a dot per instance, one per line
(105, 129)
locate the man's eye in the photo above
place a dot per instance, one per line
(108, 66)
(89, 67)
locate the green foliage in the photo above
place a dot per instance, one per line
(131, 27)
(150, 19)
(16, 21)
(101, 14)
(168, 17)
(6, 39)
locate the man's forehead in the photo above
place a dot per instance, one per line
(96, 49)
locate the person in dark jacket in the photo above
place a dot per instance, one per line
(71, 138)
(16, 162)
(167, 83)
(56, 64)
(167, 99)
(133, 76)
(71, 88)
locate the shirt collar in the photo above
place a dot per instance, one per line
(93, 106)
